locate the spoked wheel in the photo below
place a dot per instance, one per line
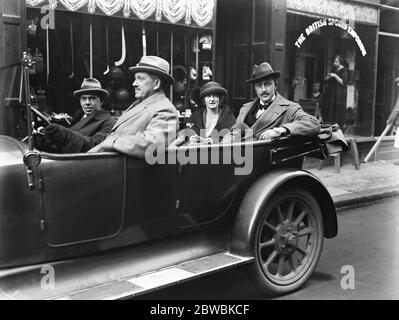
(288, 242)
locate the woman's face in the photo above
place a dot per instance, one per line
(336, 62)
(212, 101)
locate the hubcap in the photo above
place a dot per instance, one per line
(287, 238)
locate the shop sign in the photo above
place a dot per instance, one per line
(331, 23)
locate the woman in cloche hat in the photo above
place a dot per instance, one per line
(212, 119)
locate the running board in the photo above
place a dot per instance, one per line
(144, 283)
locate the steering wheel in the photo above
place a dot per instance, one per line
(40, 115)
(38, 118)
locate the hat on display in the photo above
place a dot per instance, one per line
(154, 65)
(262, 71)
(91, 85)
(212, 87)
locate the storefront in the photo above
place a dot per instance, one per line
(316, 33)
(102, 39)
(388, 64)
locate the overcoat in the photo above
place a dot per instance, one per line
(281, 113)
(151, 121)
(88, 132)
(82, 135)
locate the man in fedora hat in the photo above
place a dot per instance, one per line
(89, 127)
(151, 119)
(270, 115)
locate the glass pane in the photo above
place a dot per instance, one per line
(387, 89)
(241, 73)
(242, 21)
(260, 20)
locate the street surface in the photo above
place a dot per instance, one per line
(367, 243)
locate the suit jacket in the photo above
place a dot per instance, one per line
(88, 132)
(152, 121)
(281, 113)
(395, 113)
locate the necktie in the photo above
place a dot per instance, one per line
(262, 108)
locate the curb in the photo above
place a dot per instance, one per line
(359, 199)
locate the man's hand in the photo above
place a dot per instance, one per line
(273, 133)
(196, 139)
(389, 122)
(56, 133)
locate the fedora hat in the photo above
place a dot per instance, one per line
(154, 65)
(212, 87)
(262, 71)
(91, 85)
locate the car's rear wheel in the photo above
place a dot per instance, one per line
(288, 241)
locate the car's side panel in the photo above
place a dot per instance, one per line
(83, 199)
(20, 236)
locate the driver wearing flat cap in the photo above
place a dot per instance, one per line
(151, 119)
(270, 115)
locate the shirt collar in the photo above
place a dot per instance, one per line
(262, 104)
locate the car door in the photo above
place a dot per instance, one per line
(83, 197)
(151, 191)
(209, 182)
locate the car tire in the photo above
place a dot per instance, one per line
(288, 241)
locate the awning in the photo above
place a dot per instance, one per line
(187, 12)
(335, 9)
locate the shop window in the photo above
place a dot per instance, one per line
(116, 44)
(311, 60)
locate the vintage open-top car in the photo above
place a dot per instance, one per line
(108, 226)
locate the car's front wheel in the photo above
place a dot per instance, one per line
(288, 241)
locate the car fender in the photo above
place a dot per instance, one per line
(261, 191)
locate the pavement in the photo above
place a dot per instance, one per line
(350, 188)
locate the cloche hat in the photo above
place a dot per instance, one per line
(212, 87)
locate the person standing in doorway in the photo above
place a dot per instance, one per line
(334, 104)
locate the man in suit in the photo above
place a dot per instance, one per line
(88, 128)
(270, 115)
(151, 119)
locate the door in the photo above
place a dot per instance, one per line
(209, 182)
(12, 44)
(150, 199)
(83, 197)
